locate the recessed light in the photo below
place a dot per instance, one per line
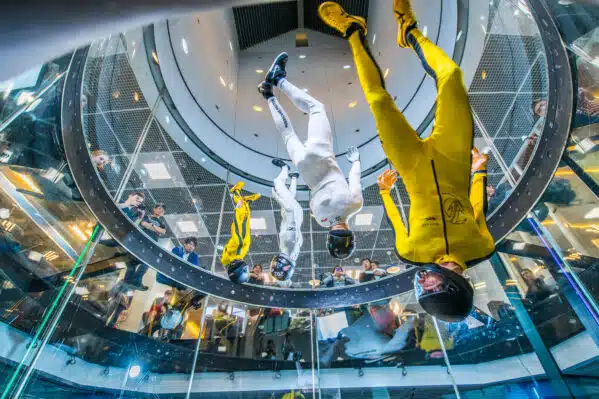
(184, 45)
(305, 90)
(482, 17)
(363, 219)
(230, 45)
(203, 159)
(134, 371)
(222, 81)
(459, 36)
(593, 214)
(425, 30)
(231, 86)
(302, 56)
(257, 108)
(353, 104)
(187, 226)
(35, 256)
(167, 119)
(259, 70)
(386, 73)
(157, 171)
(155, 56)
(346, 66)
(258, 223)
(374, 38)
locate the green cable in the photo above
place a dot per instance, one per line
(49, 313)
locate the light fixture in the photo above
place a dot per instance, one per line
(203, 159)
(230, 45)
(155, 56)
(134, 371)
(305, 89)
(222, 81)
(167, 119)
(374, 38)
(480, 286)
(81, 291)
(135, 96)
(187, 226)
(157, 171)
(302, 56)
(393, 269)
(425, 30)
(259, 71)
(483, 74)
(459, 36)
(78, 232)
(593, 214)
(482, 17)
(4, 213)
(353, 104)
(116, 94)
(346, 66)
(184, 45)
(386, 73)
(34, 256)
(120, 265)
(257, 108)
(258, 223)
(363, 219)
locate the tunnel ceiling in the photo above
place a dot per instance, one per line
(261, 22)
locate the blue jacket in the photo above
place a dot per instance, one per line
(193, 257)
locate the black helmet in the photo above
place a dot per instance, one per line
(282, 267)
(340, 243)
(451, 300)
(238, 271)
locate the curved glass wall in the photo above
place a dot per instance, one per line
(83, 317)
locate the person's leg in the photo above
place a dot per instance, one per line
(399, 140)
(453, 130)
(295, 148)
(319, 128)
(293, 186)
(239, 243)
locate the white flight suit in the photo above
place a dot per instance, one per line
(333, 199)
(290, 234)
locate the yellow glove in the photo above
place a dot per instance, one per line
(386, 180)
(479, 160)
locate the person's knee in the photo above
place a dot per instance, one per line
(452, 73)
(379, 98)
(317, 107)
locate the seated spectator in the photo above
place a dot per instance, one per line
(337, 278)
(256, 275)
(372, 271)
(187, 253)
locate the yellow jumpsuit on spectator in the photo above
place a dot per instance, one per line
(447, 214)
(239, 244)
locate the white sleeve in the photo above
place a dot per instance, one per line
(355, 187)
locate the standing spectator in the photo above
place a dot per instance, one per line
(337, 278)
(132, 206)
(257, 275)
(371, 271)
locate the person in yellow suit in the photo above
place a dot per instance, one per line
(447, 229)
(238, 245)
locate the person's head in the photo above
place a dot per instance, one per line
(100, 159)
(282, 267)
(135, 199)
(257, 269)
(442, 292)
(527, 275)
(337, 271)
(159, 210)
(540, 107)
(238, 271)
(190, 244)
(366, 264)
(374, 264)
(340, 241)
(168, 295)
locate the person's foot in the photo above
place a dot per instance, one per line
(277, 71)
(337, 18)
(237, 187)
(265, 89)
(279, 162)
(293, 174)
(406, 20)
(252, 197)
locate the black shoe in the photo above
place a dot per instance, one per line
(277, 69)
(294, 174)
(279, 162)
(265, 89)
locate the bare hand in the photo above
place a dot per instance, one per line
(387, 179)
(479, 160)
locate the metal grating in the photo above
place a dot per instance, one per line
(258, 23)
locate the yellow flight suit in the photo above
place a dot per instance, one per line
(239, 244)
(447, 216)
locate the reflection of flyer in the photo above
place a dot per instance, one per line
(122, 318)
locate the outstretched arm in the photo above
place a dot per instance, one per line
(355, 187)
(478, 186)
(386, 182)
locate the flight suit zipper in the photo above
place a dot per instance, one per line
(442, 210)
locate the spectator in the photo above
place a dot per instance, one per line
(187, 253)
(257, 275)
(132, 206)
(100, 159)
(371, 271)
(537, 288)
(151, 318)
(271, 350)
(337, 278)
(154, 224)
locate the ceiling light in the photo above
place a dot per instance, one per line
(363, 219)
(374, 38)
(184, 45)
(593, 214)
(4, 213)
(353, 104)
(459, 36)
(259, 71)
(386, 73)
(257, 108)
(203, 159)
(34, 256)
(519, 246)
(230, 45)
(346, 66)
(302, 56)
(78, 232)
(222, 81)
(482, 17)
(120, 265)
(157, 171)
(425, 30)
(480, 286)
(258, 223)
(167, 119)
(135, 96)
(305, 90)
(231, 86)
(187, 226)
(81, 291)
(155, 56)
(134, 371)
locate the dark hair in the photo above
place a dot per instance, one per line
(160, 205)
(191, 240)
(259, 265)
(138, 193)
(375, 262)
(363, 259)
